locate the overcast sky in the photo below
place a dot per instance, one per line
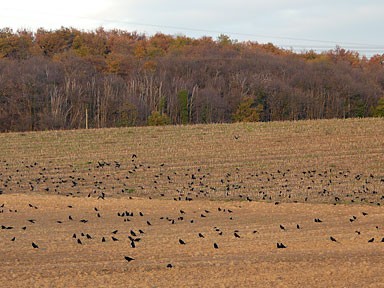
(353, 24)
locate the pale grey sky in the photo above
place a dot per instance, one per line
(353, 24)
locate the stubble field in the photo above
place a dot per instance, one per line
(243, 187)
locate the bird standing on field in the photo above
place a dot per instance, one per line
(181, 242)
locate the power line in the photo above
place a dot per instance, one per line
(363, 48)
(329, 46)
(356, 45)
(251, 35)
(233, 33)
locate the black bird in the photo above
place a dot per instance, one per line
(96, 209)
(98, 215)
(358, 232)
(182, 212)
(169, 266)
(58, 221)
(202, 215)
(88, 236)
(280, 245)
(103, 239)
(24, 228)
(236, 235)
(364, 213)
(79, 242)
(181, 242)
(371, 240)
(133, 233)
(201, 235)
(141, 214)
(129, 259)
(141, 231)
(74, 236)
(114, 239)
(298, 226)
(83, 221)
(13, 239)
(333, 239)
(282, 227)
(32, 220)
(215, 246)
(70, 217)
(114, 232)
(34, 245)
(149, 223)
(133, 244)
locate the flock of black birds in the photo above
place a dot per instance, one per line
(103, 179)
(135, 237)
(81, 237)
(128, 216)
(107, 179)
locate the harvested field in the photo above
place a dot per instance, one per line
(260, 175)
(311, 259)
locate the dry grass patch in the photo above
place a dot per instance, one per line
(265, 161)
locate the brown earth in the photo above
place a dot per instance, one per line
(291, 172)
(311, 259)
(303, 161)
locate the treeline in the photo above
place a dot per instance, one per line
(55, 79)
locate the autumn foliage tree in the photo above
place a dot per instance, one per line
(379, 110)
(49, 78)
(248, 111)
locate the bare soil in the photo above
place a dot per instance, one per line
(311, 259)
(260, 175)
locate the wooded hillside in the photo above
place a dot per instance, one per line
(50, 79)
